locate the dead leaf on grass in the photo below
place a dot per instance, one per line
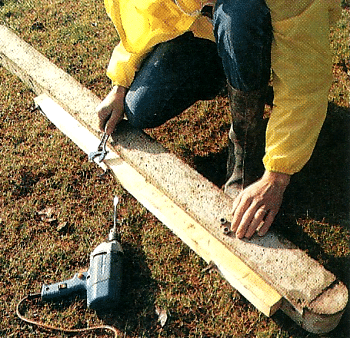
(62, 227)
(47, 215)
(162, 316)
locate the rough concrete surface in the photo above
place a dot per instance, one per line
(295, 275)
(310, 291)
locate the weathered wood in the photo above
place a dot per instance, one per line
(312, 296)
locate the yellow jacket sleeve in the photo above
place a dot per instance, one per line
(123, 66)
(302, 75)
(141, 24)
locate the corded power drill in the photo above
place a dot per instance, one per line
(101, 282)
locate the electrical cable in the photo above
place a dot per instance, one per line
(116, 332)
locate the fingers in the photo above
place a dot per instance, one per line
(259, 218)
(111, 110)
(246, 221)
(103, 114)
(238, 208)
(246, 215)
(114, 119)
(254, 219)
(255, 208)
(109, 118)
(266, 226)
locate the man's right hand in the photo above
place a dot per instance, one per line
(111, 110)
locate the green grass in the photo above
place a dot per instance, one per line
(41, 168)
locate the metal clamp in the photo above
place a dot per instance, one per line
(101, 150)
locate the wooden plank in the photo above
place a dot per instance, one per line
(238, 274)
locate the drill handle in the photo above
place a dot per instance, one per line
(75, 285)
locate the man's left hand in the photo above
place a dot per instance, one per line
(255, 207)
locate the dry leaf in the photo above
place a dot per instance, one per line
(47, 214)
(62, 226)
(162, 316)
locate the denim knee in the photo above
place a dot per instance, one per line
(175, 75)
(137, 110)
(243, 35)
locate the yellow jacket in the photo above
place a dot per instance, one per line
(301, 62)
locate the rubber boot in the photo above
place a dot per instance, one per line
(246, 146)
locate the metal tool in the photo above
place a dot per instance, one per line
(102, 282)
(101, 149)
(115, 219)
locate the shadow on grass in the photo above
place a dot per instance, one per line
(213, 167)
(320, 192)
(136, 311)
(322, 187)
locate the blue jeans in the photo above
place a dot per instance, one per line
(243, 34)
(179, 72)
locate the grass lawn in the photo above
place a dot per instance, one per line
(55, 208)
